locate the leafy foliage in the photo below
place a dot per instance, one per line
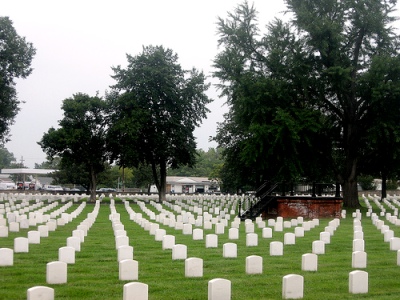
(156, 106)
(81, 140)
(207, 165)
(16, 56)
(6, 158)
(305, 97)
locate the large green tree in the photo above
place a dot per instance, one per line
(207, 163)
(80, 140)
(6, 158)
(381, 155)
(16, 56)
(156, 109)
(303, 86)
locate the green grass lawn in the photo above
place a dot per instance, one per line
(95, 272)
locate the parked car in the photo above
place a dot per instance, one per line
(106, 190)
(53, 188)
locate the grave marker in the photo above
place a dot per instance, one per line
(56, 272)
(358, 282)
(359, 260)
(230, 250)
(193, 267)
(128, 269)
(251, 239)
(40, 293)
(136, 290)
(6, 257)
(179, 251)
(276, 248)
(219, 289)
(309, 262)
(292, 286)
(66, 254)
(254, 264)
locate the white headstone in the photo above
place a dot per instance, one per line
(128, 269)
(398, 257)
(14, 227)
(299, 231)
(287, 224)
(359, 260)
(251, 239)
(267, 233)
(276, 248)
(325, 237)
(80, 234)
(233, 233)
(193, 267)
(254, 264)
(230, 250)
(198, 234)
(44, 230)
(358, 235)
(21, 245)
(278, 227)
(292, 286)
(187, 229)
(309, 262)
(6, 257)
(40, 293)
(249, 227)
(136, 290)
(358, 282)
(168, 242)
(74, 242)
(56, 272)
(211, 241)
(289, 238)
(318, 247)
(179, 251)
(387, 235)
(219, 289)
(395, 243)
(121, 241)
(66, 254)
(3, 231)
(34, 237)
(358, 245)
(306, 226)
(159, 234)
(125, 252)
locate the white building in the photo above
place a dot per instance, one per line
(188, 185)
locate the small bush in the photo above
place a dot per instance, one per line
(366, 182)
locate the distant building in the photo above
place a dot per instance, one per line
(188, 185)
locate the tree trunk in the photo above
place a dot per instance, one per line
(349, 182)
(350, 193)
(163, 182)
(383, 186)
(93, 183)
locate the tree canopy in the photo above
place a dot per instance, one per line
(16, 56)
(6, 158)
(80, 140)
(156, 106)
(303, 97)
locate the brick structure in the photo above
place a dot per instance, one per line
(306, 207)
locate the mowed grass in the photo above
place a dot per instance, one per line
(95, 272)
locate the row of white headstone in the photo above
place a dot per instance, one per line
(291, 288)
(21, 244)
(57, 271)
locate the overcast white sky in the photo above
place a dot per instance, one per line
(78, 42)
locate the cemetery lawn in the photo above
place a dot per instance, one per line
(95, 272)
